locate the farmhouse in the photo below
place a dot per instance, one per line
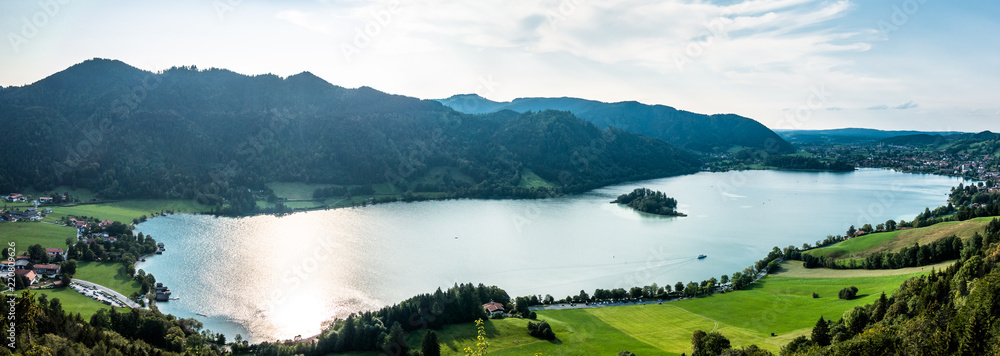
(27, 273)
(49, 270)
(493, 308)
(53, 252)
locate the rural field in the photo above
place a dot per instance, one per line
(127, 210)
(25, 234)
(106, 274)
(893, 241)
(72, 302)
(781, 304)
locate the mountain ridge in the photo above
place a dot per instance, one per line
(699, 132)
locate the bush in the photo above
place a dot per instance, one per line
(533, 316)
(496, 316)
(815, 295)
(541, 330)
(848, 293)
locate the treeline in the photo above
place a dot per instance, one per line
(218, 137)
(950, 312)
(42, 327)
(649, 201)
(945, 249)
(382, 330)
(806, 163)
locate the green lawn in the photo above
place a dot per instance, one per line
(125, 211)
(895, 240)
(73, 302)
(776, 304)
(531, 180)
(106, 274)
(295, 190)
(79, 194)
(25, 234)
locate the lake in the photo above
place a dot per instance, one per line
(268, 277)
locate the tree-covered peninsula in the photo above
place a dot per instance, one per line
(649, 201)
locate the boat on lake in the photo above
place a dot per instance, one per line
(701, 257)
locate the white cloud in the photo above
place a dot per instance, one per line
(907, 105)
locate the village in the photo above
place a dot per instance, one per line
(96, 240)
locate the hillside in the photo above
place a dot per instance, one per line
(705, 133)
(219, 137)
(783, 305)
(849, 135)
(958, 143)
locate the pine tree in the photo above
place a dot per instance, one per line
(821, 333)
(429, 345)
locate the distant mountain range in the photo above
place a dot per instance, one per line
(215, 136)
(704, 133)
(849, 135)
(938, 140)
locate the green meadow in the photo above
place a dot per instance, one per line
(893, 241)
(72, 302)
(25, 234)
(777, 304)
(106, 274)
(127, 210)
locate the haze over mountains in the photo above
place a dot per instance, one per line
(215, 135)
(704, 133)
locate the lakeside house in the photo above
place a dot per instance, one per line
(53, 252)
(492, 308)
(27, 273)
(162, 292)
(15, 197)
(106, 223)
(22, 263)
(45, 200)
(48, 270)
(26, 215)
(6, 266)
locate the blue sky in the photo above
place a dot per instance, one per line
(808, 64)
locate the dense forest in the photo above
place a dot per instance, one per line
(704, 133)
(649, 201)
(806, 163)
(219, 137)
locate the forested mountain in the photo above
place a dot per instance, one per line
(956, 142)
(706, 133)
(850, 135)
(218, 136)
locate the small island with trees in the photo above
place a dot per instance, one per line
(650, 202)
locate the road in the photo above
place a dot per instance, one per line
(121, 298)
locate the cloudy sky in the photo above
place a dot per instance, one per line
(809, 64)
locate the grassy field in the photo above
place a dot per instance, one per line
(73, 302)
(106, 274)
(25, 234)
(125, 211)
(780, 304)
(795, 269)
(80, 194)
(295, 191)
(895, 240)
(531, 180)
